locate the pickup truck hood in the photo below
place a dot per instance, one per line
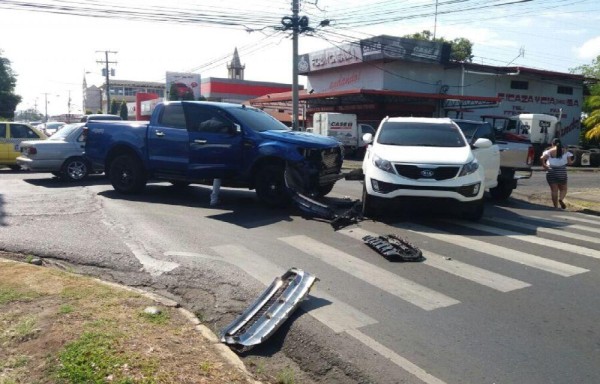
(301, 139)
(424, 155)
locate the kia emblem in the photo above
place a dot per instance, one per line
(427, 173)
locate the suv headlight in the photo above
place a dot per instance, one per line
(469, 168)
(383, 164)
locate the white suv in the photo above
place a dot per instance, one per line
(427, 157)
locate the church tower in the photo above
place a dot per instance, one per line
(236, 69)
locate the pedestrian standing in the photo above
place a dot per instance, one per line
(214, 195)
(555, 160)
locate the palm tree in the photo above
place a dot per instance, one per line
(592, 122)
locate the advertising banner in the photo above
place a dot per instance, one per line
(184, 84)
(330, 58)
(382, 47)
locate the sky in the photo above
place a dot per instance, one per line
(51, 53)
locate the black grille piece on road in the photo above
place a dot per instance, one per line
(424, 172)
(393, 247)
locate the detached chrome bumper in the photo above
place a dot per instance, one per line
(269, 310)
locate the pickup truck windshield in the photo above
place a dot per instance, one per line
(257, 120)
(420, 135)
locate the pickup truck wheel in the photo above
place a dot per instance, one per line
(474, 210)
(75, 169)
(502, 191)
(370, 207)
(325, 189)
(270, 186)
(127, 174)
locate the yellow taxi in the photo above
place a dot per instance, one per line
(11, 136)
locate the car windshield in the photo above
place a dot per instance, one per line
(64, 132)
(468, 128)
(54, 125)
(257, 120)
(420, 134)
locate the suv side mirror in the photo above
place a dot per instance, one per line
(482, 143)
(368, 138)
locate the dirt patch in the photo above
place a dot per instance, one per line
(57, 327)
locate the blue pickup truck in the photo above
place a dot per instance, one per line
(188, 142)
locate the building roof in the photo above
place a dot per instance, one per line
(357, 96)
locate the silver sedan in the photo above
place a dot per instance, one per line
(61, 154)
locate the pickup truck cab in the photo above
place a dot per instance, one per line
(516, 158)
(193, 142)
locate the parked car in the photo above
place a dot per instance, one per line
(51, 127)
(427, 158)
(61, 154)
(100, 116)
(11, 136)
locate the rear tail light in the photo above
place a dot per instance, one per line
(31, 151)
(530, 155)
(84, 134)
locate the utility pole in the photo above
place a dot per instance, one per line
(107, 72)
(295, 96)
(297, 25)
(46, 107)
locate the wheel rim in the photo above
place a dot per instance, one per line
(124, 174)
(76, 170)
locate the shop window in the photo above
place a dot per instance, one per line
(564, 90)
(517, 84)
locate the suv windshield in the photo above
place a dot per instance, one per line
(420, 134)
(257, 120)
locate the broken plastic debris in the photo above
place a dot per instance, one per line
(269, 311)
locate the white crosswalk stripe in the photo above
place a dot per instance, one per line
(338, 315)
(580, 219)
(405, 289)
(502, 252)
(533, 239)
(568, 223)
(550, 231)
(478, 275)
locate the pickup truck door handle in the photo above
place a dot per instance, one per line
(159, 133)
(200, 141)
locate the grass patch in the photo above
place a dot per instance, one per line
(286, 376)
(25, 328)
(91, 359)
(159, 318)
(65, 309)
(9, 295)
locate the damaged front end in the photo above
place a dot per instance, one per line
(269, 310)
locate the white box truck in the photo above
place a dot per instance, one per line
(344, 128)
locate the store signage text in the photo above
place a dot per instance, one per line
(520, 98)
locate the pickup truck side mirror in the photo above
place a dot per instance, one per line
(368, 138)
(234, 129)
(482, 143)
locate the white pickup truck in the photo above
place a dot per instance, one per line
(516, 158)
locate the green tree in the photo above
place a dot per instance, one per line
(461, 49)
(114, 107)
(123, 112)
(29, 115)
(590, 134)
(592, 72)
(591, 123)
(8, 99)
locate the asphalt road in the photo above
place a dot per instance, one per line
(511, 299)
